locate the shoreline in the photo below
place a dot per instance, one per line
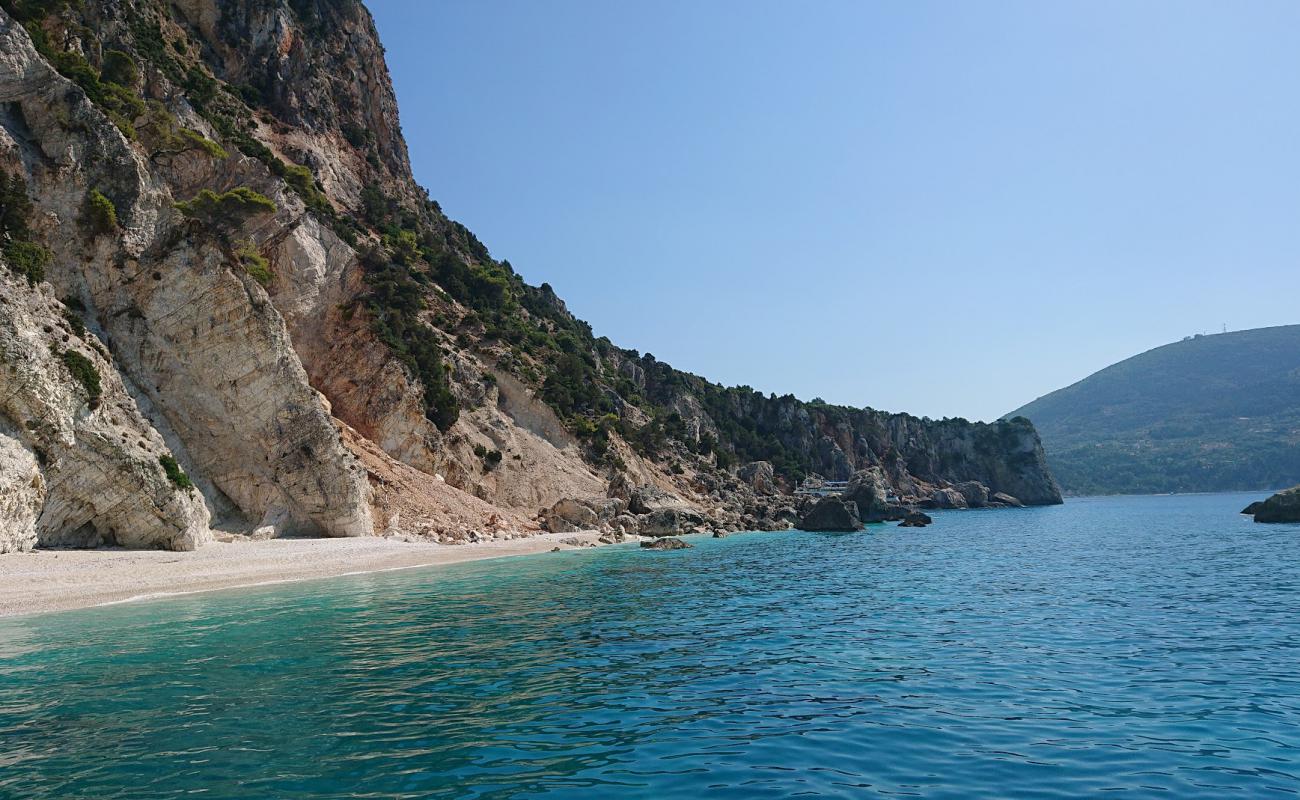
(45, 581)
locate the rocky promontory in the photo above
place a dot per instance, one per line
(1281, 507)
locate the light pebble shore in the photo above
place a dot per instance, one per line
(58, 580)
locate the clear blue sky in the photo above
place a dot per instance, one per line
(942, 208)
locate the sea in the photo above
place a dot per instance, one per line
(1125, 647)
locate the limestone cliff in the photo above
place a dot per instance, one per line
(219, 196)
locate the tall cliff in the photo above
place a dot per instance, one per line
(228, 307)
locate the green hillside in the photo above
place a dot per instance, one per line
(1208, 413)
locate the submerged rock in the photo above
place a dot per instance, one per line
(667, 543)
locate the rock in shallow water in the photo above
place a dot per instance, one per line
(667, 543)
(915, 519)
(832, 514)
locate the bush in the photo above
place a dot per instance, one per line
(174, 472)
(100, 212)
(255, 264)
(227, 210)
(167, 135)
(120, 68)
(27, 259)
(85, 373)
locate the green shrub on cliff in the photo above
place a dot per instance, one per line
(83, 370)
(174, 472)
(27, 259)
(120, 68)
(226, 211)
(254, 263)
(101, 214)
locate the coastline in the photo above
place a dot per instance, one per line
(43, 581)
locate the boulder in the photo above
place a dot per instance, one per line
(667, 543)
(947, 498)
(832, 514)
(645, 499)
(1281, 507)
(668, 522)
(1007, 500)
(869, 488)
(620, 486)
(1253, 508)
(626, 523)
(787, 516)
(759, 475)
(915, 519)
(975, 493)
(568, 516)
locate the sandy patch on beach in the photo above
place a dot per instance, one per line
(54, 580)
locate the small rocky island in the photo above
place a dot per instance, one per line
(1281, 507)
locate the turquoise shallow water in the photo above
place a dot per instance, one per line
(1137, 647)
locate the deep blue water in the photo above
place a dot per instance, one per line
(1137, 647)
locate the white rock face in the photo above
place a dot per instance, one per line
(195, 338)
(22, 493)
(77, 475)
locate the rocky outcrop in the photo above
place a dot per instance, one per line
(869, 489)
(832, 514)
(1281, 507)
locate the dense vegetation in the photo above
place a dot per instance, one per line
(1208, 413)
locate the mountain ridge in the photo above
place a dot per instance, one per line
(1208, 413)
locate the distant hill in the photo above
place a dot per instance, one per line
(1208, 413)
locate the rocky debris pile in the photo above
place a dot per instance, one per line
(667, 543)
(646, 511)
(1281, 507)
